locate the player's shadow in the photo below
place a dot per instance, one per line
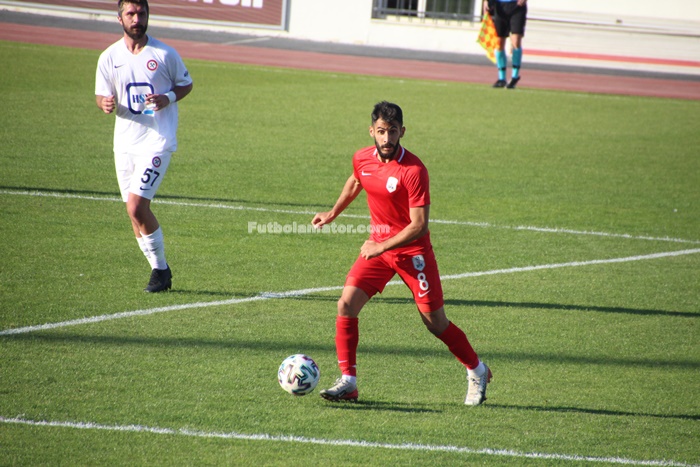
(452, 304)
(383, 406)
(582, 410)
(375, 405)
(563, 307)
(281, 345)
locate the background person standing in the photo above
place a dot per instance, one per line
(141, 79)
(509, 18)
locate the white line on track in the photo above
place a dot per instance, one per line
(303, 292)
(53, 194)
(245, 41)
(341, 442)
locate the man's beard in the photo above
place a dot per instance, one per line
(136, 33)
(381, 154)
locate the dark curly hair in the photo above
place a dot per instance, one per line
(388, 112)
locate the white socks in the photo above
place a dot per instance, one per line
(144, 248)
(350, 379)
(478, 371)
(154, 249)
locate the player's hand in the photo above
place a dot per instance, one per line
(371, 249)
(107, 104)
(160, 101)
(321, 219)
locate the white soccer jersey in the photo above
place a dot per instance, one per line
(157, 69)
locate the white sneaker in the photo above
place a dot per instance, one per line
(476, 387)
(342, 390)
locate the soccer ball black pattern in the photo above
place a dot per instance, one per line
(298, 374)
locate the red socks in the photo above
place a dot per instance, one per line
(455, 340)
(347, 336)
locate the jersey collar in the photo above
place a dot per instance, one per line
(403, 152)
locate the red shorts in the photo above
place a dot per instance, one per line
(416, 266)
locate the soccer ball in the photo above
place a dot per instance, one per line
(298, 374)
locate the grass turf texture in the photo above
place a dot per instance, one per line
(598, 360)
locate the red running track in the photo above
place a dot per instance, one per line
(416, 69)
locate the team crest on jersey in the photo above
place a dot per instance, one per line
(391, 184)
(419, 262)
(156, 162)
(152, 65)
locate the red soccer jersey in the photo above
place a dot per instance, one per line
(392, 189)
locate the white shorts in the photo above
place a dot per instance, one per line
(141, 175)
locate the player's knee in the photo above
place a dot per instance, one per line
(137, 211)
(434, 328)
(134, 211)
(131, 211)
(436, 322)
(343, 307)
(347, 309)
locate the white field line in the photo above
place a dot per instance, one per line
(150, 311)
(568, 231)
(341, 442)
(574, 264)
(51, 194)
(303, 292)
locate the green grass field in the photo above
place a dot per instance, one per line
(567, 228)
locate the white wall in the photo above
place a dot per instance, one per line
(349, 21)
(683, 10)
(345, 21)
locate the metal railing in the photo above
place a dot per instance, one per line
(446, 10)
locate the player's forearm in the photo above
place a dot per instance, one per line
(409, 234)
(412, 232)
(350, 191)
(182, 91)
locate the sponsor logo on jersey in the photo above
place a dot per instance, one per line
(152, 65)
(419, 262)
(391, 184)
(137, 93)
